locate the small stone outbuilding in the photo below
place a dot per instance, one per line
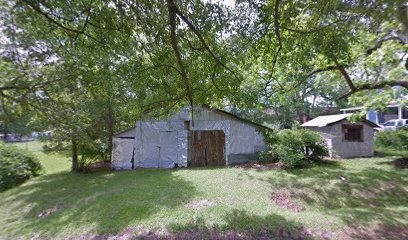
(344, 139)
(217, 138)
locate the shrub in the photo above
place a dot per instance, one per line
(396, 140)
(16, 166)
(296, 147)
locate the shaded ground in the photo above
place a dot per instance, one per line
(398, 163)
(346, 199)
(381, 231)
(257, 165)
(278, 228)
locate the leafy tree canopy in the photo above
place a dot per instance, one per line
(86, 69)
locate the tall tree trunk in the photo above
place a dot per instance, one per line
(110, 128)
(5, 131)
(75, 165)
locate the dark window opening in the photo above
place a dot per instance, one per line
(187, 125)
(405, 112)
(353, 133)
(392, 110)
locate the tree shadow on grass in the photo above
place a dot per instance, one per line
(389, 152)
(108, 202)
(381, 231)
(365, 197)
(400, 163)
(239, 224)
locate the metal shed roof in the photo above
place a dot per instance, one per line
(129, 132)
(237, 117)
(323, 121)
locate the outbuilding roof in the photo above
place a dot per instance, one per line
(323, 121)
(238, 118)
(127, 133)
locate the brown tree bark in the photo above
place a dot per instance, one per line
(75, 164)
(110, 129)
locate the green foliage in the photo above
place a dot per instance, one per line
(16, 166)
(88, 69)
(396, 140)
(295, 147)
(296, 42)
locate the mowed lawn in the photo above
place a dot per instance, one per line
(370, 202)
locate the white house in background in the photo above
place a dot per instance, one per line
(343, 138)
(217, 138)
(393, 111)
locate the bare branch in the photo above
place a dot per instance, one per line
(345, 74)
(375, 85)
(381, 41)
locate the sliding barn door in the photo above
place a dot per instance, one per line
(207, 148)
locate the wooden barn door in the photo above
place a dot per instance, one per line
(207, 148)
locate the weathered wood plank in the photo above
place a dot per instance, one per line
(207, 148)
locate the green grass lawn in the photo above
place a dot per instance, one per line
(52, 163)
(60, 204)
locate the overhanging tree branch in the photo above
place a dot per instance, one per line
(38, 9)
(280, 47)
(345, 74)
(385, 39)
(375, 85)
(172, 8)
(203, 42)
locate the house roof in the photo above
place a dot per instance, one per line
(211, 109)
(124, 132)
(237, 117)
(323, 121)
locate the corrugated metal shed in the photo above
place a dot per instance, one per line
(324, 121)
(173, 141)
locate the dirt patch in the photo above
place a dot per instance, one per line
(256, 165)
(50, 211)
(284, 200)
(98, 167)
(199, 204)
